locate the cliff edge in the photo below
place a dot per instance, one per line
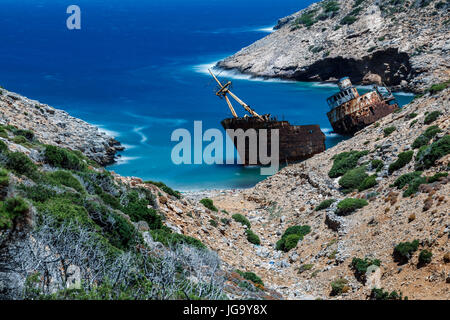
(404, 44)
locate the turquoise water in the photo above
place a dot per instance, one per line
(138, 70)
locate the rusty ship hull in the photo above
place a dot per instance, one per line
(351, 112)
(296, 142)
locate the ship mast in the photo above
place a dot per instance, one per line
(224, 90)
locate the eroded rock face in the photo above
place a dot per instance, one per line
(57, 127)
(405, 45)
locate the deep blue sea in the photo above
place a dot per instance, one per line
(138, 70)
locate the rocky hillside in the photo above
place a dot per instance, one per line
(394, 175)
(403, 43)
(57, 127)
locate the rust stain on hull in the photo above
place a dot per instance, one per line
(351, 112)
(296, 143)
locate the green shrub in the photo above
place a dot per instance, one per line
(352, 179)
(137, 209)
(306, 19)
(406, 178)
(410, 116)
(339, 287)
(388, 131)
(431, 117)
(403, 159)
(3, 146)
(325, 204)
(404, 250)
(377, 165)
(345, 161)
(213, 223)
(10, 211)
(166, 189)
(425, 137)
(65, 178)
(21, 164)
(241, 219)
(116, 228)
(435, 88)
(414, 185)
(360, 266)
(4, 178)
(291, 237)
(348, 20)
(208, 203)
(27, 134)
(368, 183)
(427, 156)
(330, 6)
(37, 193)
(20, 140)
(425, 257)
(63, 158)
(349, 205)
(252, 237)
(437, 177)
(380, 294)
(251, 277)
(64, 210)
(168, 238)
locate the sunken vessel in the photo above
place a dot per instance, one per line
(351, 112)
(296, 142)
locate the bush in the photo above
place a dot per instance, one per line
(3, 146)
(387, 131)
(330, 6)
(425, 137)
(405, 179)
(425, 257)
(352, 179)
(63, 158)
(431, 117)
(10, 211)
(349, 205)
(426, 157)
(345, 161)
(241, 219)
(360, 266)
(377, 165)
(252, 237)
(404, 250)
(251, 277)
(403, 159)
(325, 204)
(137, 209)
(348, 20)
(437, 177)
(380, 294)
(166, 189)
(306, 19)
(339, 287)
(27, 134)
(168, 238)
(64, 210)
(21, 164)
(435, 88)
(291, 237)
(414, 185)
(368, 183)
(116, 228)
(65, 178)
(213, 223)
(208, 203)
(4, 178)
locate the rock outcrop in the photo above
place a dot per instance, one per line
(404, 44)
(57, 127)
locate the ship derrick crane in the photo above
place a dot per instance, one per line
(225, 90)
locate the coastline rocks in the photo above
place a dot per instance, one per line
(57, 127)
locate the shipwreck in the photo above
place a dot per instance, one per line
(296, 142)
(351, 112)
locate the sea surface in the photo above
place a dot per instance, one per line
(138, 69)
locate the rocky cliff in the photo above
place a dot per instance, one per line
(57, 127)
(404, 44)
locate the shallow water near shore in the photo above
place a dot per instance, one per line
(138, 70)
